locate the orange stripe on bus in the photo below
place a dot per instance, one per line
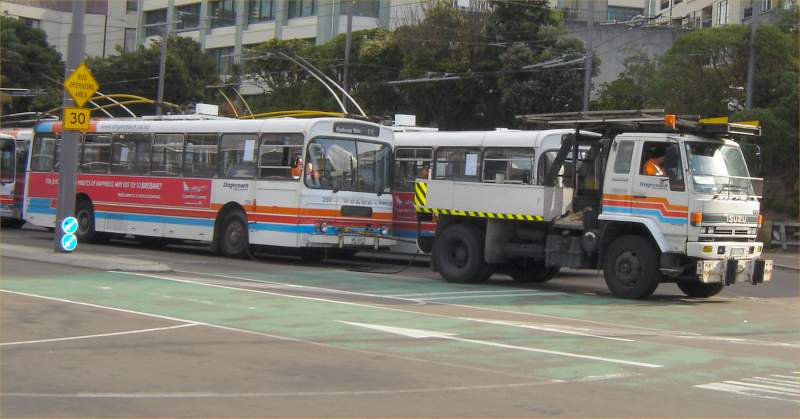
(659, 200)
(307, 212)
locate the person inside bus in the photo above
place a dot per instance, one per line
(424, 173)
(297, 166)
(312, 176)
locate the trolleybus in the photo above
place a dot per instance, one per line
(303, 183)
(14, 144)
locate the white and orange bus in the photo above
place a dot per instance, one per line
(14, 144)
(303, 183)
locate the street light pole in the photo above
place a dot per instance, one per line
(751, 64)
(587, 65)
(162, 63)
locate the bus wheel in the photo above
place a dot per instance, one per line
(458, 255)
(86, 233)
(697, 289)
(522, 270)
(631, 267)
(234, 241)
(12, 223)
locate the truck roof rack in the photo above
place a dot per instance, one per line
(649, 120)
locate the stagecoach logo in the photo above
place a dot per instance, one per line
(235, 186)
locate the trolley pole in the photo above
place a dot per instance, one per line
(68, 152)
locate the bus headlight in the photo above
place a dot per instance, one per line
(324, 228)
(385, 231)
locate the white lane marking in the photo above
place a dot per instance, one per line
(786, 376)
(654, 331)
(461, 297)
(547, 328)
(172, 297)
(425, 294)
(333, 290)
(420, 334)
(764, 387)
(296, 286)
(101, 335)
(268, 335)
(766, 380)
(743, 391)
(179, 395)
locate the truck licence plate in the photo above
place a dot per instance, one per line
(737, 251)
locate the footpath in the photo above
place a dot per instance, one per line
(81, 259)
(786, 259)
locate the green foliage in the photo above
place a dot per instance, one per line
(29, 62)
(629, 91)
(189, 71)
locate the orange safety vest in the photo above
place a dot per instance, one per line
(652, 168)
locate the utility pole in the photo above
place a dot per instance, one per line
(68, 152)
(347, 38)
(587, 64)
(751, 64)
(162, 63)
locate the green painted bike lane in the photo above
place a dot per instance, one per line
(322, 322)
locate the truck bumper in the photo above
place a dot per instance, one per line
(730, 271)
(351, 241)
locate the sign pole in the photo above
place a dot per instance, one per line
(68, 153)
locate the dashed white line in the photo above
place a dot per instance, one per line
(100, 335)
(461, 297)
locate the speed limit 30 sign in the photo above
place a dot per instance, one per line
(76, 119)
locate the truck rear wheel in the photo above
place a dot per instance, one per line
(697, 289)
(522, 270)
(458, 254)
(631, 267)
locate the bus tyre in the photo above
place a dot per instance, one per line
(12, 223)
(631, 267)
(84, 213)
(234, 241)
(458, 254)
(697, 289)
(521, 270)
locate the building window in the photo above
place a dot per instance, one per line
(366, 8)
(674, 2)
(188, 17)
(222, 13)
(722, 12)
(154, 21)
(664, 4)
(131, 5)
(223, 57)
(31, 23)
(130, 39)
(623, 14)
(260, 11)
(300, 8)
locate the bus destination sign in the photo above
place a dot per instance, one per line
(356, 129)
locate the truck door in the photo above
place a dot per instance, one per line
(619, 177)
(659, 190)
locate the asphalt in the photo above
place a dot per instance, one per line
(81, 259)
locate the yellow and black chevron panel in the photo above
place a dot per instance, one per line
(420, 194)
(480, 214)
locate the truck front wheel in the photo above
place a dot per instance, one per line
(697, 289)
(631, 267)
(458, 254)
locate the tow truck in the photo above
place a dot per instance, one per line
(691, 217)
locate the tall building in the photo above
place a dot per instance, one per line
(710, 13)
(108, 23)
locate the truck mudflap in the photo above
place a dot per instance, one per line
(754, 271)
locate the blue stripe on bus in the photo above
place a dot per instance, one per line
(203, 222)
(40, 206)
(647, 212)
(285, 228)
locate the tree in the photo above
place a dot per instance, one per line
(29, 62)
(189, 70)
(629, 91)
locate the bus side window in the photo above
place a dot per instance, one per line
(411, 164)
(200, 155)
(508, 165)
(238, 156)
(130, 154)
(458, 164)
(44, 152)
(95, 153)
(167, 153)
(279, 157)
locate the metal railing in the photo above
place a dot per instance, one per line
(785, 234)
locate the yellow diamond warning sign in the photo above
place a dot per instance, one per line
(81, 84)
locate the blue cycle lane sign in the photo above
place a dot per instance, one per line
(69, 225)
(69, 241)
